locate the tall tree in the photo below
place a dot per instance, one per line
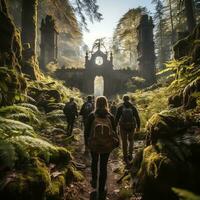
(190, 14)
(125, 38)
(171, 21)
(29, 23)
(197, 10)
(162, 42)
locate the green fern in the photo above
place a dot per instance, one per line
(19, 112)
(7, 155)
(185, 195)
(30, 106)
(181, 72)
(56, 115)
(10, 128)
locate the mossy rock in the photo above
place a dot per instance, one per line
(31, 183)
(189, 101)
(166, 164)
(175, 100)
(56, 188)
(73, 175)
(165, 125)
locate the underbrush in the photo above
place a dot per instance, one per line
(32, 166)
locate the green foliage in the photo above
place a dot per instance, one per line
(125, 193)
(185, 195)
(36, 147)
(25, 112)
(56, 116)
(48, 83)
(134, 83)
(150, 102)
(10, 128)
(12, 85)
(125, 39)
(7, 155)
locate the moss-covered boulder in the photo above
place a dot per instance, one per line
(165, 125)
(175, 100)
(189, 101)
(170, 158)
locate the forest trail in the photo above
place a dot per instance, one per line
(84, 162)
(81, 190)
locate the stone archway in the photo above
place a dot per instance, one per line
(98, 86)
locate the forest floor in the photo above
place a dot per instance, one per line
(81, 190)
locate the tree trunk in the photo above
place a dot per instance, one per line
(171, 22)
(29, 23)
(190, 16)
(3, 7)
(12, 81)
(30, 65)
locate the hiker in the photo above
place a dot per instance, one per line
(128, 119)
(86, 109)
(71, 113)
(113, 108)
(101, 138)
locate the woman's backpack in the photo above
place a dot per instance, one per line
(102, 138)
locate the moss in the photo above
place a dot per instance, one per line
(56, 189)
(125, 194)
(73, 175)
(12, 85)
(31, 68)
(186, 195)
(30, 184)
(62, 156)
(10, 50)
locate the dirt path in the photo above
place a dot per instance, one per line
(81, 190)
(84, 161)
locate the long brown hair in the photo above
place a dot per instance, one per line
(101, 103)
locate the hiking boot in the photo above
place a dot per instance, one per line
(130, 157)
(102, 195)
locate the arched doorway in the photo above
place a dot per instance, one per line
(98, 86)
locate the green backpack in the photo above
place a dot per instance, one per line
(102, 138)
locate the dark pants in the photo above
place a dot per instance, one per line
(70, 125)
(127, 142)
(84, 124)
(85, 138)
(102, 171)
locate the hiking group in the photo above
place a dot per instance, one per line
(103, 124)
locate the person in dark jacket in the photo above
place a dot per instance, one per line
(127, 127)
(101, 111)
(86, 109)
(71, 113)
(113, 108)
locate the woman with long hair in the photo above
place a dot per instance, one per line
(100, 121)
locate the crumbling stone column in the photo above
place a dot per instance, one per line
(49, 44)
(146, 50)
